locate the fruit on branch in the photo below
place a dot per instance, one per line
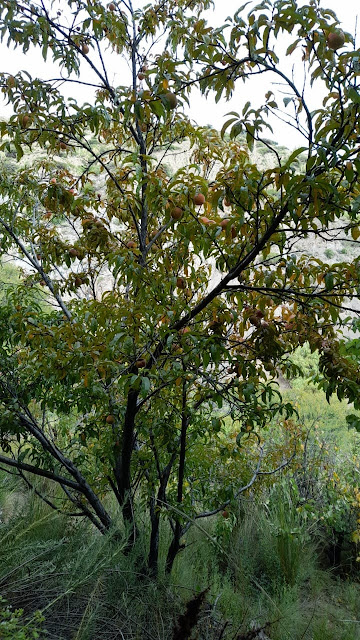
(78, 281)
(227, 202)
(111, 6)
(63, 145)
(176, 213)
(181, 283)
(335, 40)
(24, 120)
(53, 181)
(199, 198)
(171, 99)
(206, 221)
(11, 82)
(225, 513)
(131, 244)
(140, 363)
(224, 223)
(141, 75)
(73, 252)
(85, 49)
(110, 419)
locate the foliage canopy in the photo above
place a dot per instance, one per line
(163, 315)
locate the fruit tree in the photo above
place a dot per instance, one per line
(155, 300)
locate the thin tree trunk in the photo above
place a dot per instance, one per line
(175, 543)
(155, 510)
(123, 468)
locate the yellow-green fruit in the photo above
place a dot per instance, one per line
(172, 99)
(11, 82)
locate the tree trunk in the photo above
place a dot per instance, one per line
(123, 468)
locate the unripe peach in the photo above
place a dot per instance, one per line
(172, 99)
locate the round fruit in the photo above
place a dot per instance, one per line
(141, 363)
(176, 213)
(199, 198)
(24, 120)
(171, 99)
(335, 40)
(53, 181)
(225, 514)
(110, 419)
(141, 75)
(111, 6)
(131, 244)
(73, 252)
(63, 145)
(11, 82)
(85, 49)
(224, 223)
(181, 283)
(227, 202)
(78, 281)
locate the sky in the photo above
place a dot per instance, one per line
(202, 110)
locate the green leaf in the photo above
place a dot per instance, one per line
(353, 422)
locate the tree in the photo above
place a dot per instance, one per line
(120, 384)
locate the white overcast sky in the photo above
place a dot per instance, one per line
(203, 110)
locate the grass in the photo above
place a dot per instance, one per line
(260, 566)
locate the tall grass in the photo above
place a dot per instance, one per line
(260, 567)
